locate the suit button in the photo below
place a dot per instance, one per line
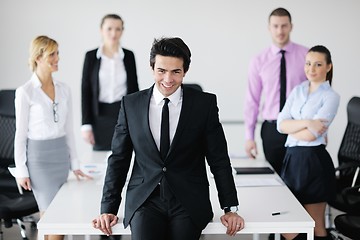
(164, 169)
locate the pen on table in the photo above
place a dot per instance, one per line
(275, 213)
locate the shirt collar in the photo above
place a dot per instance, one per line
(36, 81)
(120, 54)
(174, 98)
(288, 48)
(324, 86)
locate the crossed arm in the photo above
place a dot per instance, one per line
(304, 130)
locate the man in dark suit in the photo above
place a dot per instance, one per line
(168, 192)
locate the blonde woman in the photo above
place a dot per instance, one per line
(44, 140)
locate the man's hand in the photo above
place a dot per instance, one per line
(251, 149)
(233, 222)
(104, 222)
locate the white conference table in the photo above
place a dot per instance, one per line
(78, 202)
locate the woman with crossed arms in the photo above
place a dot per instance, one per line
(308, 169)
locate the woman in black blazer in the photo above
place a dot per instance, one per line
(109, 73)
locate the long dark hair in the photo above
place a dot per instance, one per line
(326, 52)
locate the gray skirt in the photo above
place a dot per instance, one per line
(48, 162)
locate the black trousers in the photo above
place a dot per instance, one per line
(162, 217)
(273, 145)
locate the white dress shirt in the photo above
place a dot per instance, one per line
(155, 110)
(112, 76)
(35, 119)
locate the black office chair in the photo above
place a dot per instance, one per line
(348, 182)
(194, 86)
(7, 130)
(349, 159)
(348, 225)
(14, 206)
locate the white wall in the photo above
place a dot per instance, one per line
(223, 36)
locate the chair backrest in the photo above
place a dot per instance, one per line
(194, 86)
(350, 145)
(7, 103)
(7, 127)
(353, 110)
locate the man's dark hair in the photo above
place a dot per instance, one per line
(171, 47)
(280, 12)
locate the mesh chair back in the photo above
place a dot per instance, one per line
(349, 151)
(7, 102)
(7, 127)
(350, 145)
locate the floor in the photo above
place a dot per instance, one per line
(13, 233)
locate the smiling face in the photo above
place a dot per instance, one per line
(316, 67)
(49, 62)
(168, 73)
(111, 31)
(280, 28)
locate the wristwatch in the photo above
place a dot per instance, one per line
(232, 209)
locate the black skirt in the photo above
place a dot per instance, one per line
(309, 173)
(104, 125)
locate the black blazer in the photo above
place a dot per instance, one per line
(90, 83)
(199, 135)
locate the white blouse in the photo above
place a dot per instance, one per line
(112, 77)
(39, 118)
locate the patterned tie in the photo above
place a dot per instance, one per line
(165, 135)
(282, 79)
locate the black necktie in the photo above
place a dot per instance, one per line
(282, 79)
(165, 135)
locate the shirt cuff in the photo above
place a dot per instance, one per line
(86, 127)
(75, 165)
(20, 172)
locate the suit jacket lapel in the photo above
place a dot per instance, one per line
(145, 122)
(95, 82)
(183, 119)
(96, 69)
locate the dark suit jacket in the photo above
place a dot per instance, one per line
(90, 83)
(199, 135)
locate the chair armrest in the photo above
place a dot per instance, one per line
(351, 195)
(347, 165)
